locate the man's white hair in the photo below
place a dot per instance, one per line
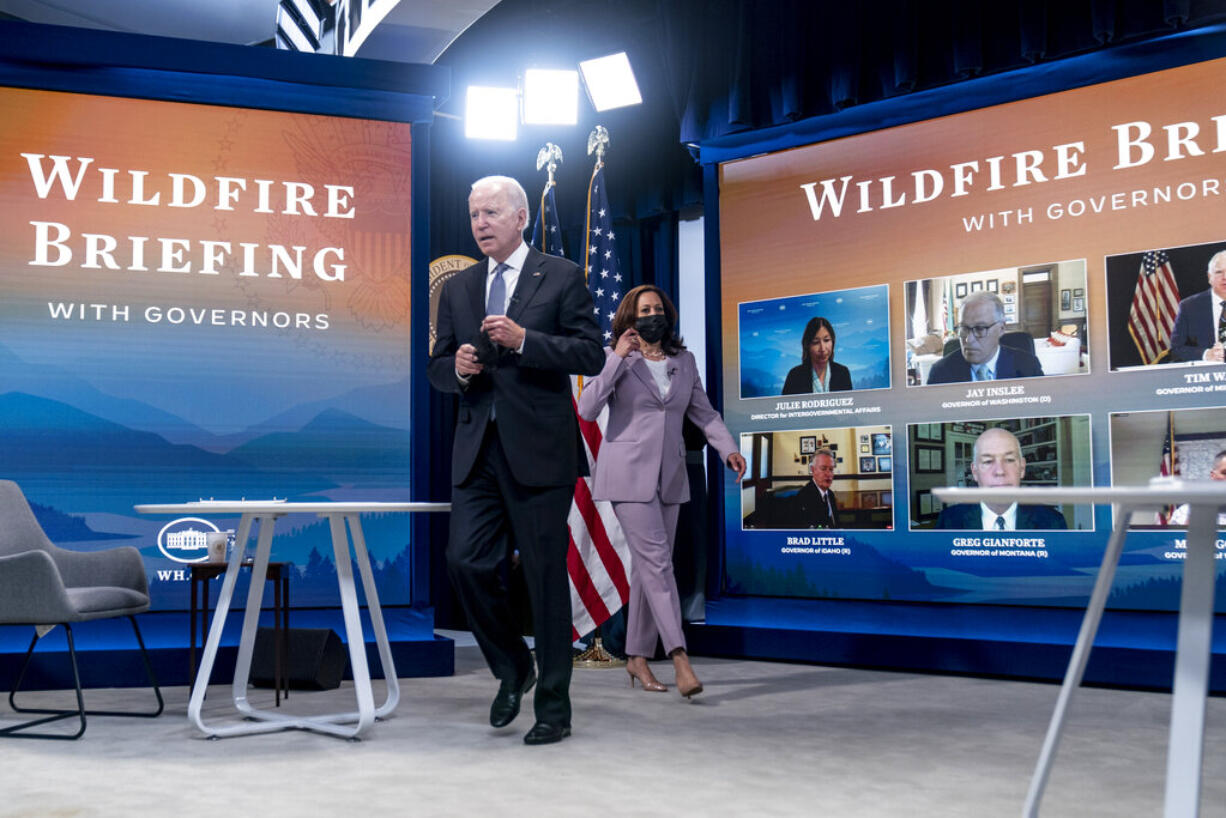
(998, 306)
(514, 191)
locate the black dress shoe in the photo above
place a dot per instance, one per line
(545, 733)
(506, 704)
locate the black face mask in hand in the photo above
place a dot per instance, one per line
(487, 351)
(651, 328)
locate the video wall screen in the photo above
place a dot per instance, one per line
(1026, 294)
(200, 301)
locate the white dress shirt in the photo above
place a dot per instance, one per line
(989, 518)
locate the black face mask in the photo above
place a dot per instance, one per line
(651, 328)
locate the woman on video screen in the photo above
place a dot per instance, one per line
(817, 371)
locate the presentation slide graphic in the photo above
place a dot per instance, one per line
(203, 302)
(777, 339)
(1034, 259)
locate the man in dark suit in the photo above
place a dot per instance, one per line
(814, 506)
(512, 328)
(980, 356)
(998, 462)
(1200, 325)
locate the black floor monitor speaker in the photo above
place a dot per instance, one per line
(316, 661)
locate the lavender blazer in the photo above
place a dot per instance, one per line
(643, 447)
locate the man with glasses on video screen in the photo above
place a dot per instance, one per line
(980, 355)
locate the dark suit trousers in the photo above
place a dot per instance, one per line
(491, 513)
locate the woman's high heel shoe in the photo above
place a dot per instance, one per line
(691, 691)
(645, 677)
(687, 683)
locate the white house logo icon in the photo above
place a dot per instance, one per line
(183, 540)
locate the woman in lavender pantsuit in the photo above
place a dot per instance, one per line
(650, 384)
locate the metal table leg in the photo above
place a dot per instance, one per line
(219, 618)
(1081, 655)
(376, 618)
(264, 721)
(1192, 653)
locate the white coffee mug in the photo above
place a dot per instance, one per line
(216, 542)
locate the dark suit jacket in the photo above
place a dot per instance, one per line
(808, 509)
(1012, 363)
(800, 379)
(531, 393)
(967, 516)
(1194, 331)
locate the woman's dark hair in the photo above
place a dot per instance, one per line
(628, 312)
(811, 328)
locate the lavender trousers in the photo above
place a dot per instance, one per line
(655, 607)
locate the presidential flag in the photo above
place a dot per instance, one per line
(599, 558)
(1154, 305)
(546, 233)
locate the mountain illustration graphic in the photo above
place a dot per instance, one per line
(60, 527)
(865, 573)
(74, 461)
(381, 404)
(57, 384)
(384, 405)
(335, 443)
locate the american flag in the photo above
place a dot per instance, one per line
(1154, 304)
(598, 556)
(604, 276)
(1169, 466)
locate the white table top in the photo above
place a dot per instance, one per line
(283, 507)
(1158, 493)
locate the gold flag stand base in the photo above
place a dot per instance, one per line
(597, 657)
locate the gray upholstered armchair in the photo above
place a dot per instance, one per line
(44, 586)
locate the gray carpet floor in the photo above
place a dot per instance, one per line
(763, 739)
